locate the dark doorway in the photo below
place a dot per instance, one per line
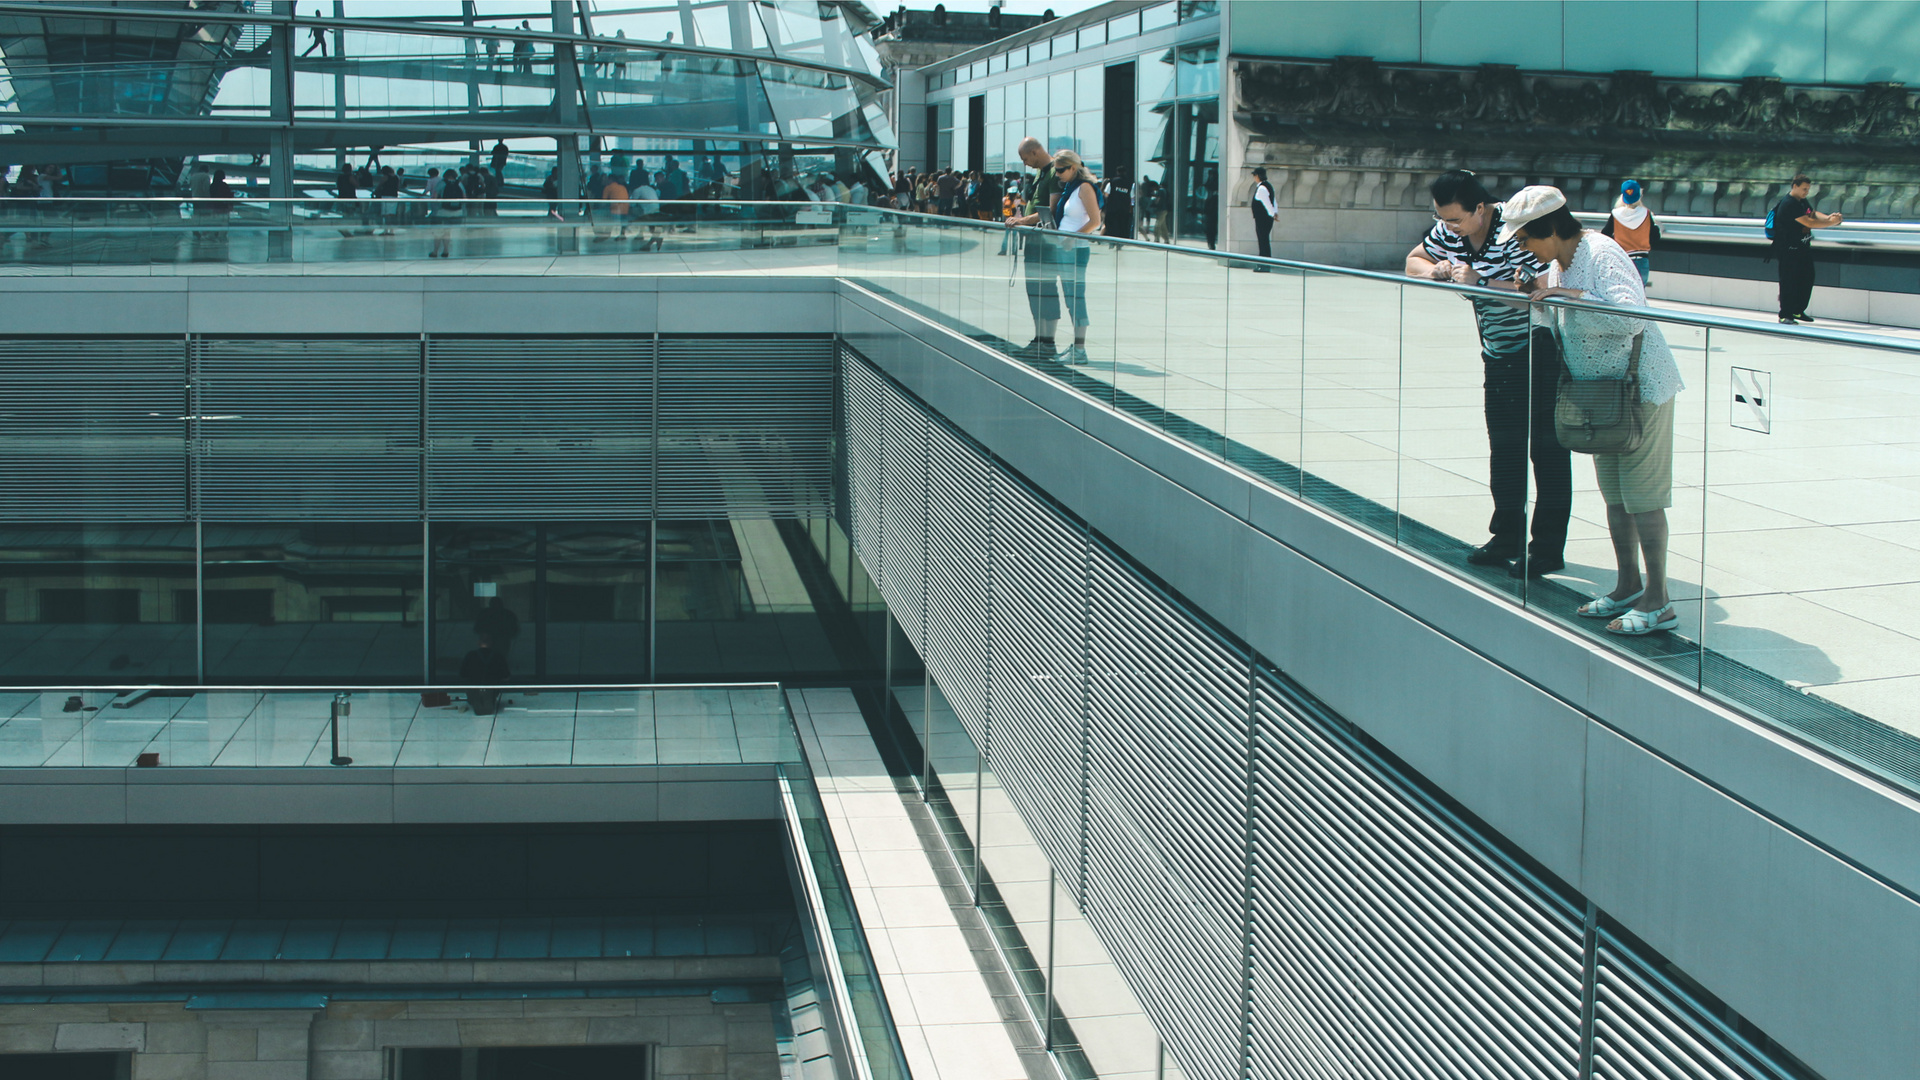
(65, 1066)
(1118, 120)
(977, 133)
(526, 1063)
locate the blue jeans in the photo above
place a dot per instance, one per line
(1073, 275)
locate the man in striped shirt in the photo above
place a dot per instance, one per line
(1522, 370)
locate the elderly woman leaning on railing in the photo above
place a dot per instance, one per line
(1631, 436)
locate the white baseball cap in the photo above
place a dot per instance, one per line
(1527, 204)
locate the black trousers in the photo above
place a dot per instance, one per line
(1796, 279)
(1263, 232)
(1519, 429)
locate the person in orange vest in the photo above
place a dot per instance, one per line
(1631, 226)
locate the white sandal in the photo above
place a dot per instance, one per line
(1603, 607)
(1636, 623)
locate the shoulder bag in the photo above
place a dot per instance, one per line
(1600, 416)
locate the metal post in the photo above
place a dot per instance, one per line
(1589, 981)
(1046, 986)
(566, 104)
(280, 140)
(926, 735)
(341, 707)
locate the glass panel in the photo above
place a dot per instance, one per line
(1060, 93)
(1199, 135)
(1812, 526)
(1090, 141)
(807, 30)
(817, 104)
(1063, 45)
(1196, 383)
(1196, 9)
(996, 155)
(1140, 339)
(1038, 51)
(1016, 107)
(1016, 59)
(1156, 76)
(1090, 36)
(558, 602)
(1199, 71)
(1157, 16)
(652, 91)
(996, 64)
(732, 599)
(1090, 88)
(997, 105)
(906, 696)
(1265, 315)
(1350, 401)
(101, 603)
(314, 602)
(954, 791)
(1037, 97)
(1060, 132)
(1125, 26)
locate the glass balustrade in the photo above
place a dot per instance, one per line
(1794, 524)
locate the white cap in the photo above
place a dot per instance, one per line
(1527, 204)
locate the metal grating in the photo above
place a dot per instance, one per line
(903, 510)
(531, 428)
(316, 429)
(95, 430)
(1645, 1028)
(861, 387)
(1384, 938)
(960, 611)
(1037, 727)
(1168, 753)
(746, 427)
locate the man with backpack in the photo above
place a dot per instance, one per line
(1790, 226)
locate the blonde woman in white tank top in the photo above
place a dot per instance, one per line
(1078, 211)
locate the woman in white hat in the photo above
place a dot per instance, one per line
(1637, 485)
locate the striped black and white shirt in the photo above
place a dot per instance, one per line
(1503, 327)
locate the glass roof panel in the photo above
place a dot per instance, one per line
(814, 104)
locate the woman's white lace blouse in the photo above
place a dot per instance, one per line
(1598, 346)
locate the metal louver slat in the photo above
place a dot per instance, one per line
(1038, 585)
(860, 388)
(746, 427)
(960, 608)
(1644, 1026)
(903, 507)
(96, 430)
(531, 428)
(316, 429)
(1381, 934)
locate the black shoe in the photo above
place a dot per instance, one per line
(1037, 349)
(1535, 567)
(1789, 320)
(1488, 555)
(1803, 317)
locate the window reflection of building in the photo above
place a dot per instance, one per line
(313, 601)
(105, 603)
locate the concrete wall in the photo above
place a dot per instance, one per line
(691, 1037)
(1781, 881)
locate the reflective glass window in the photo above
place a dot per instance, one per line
(804, 30)
(1090, 135)
(654, 90)
(733, 602)
(1089, 88)
(1037, 97)
(996, 64)
(1038, 51)
(1089, 36)
(1155, 78)
(996, 150)
(104, 603)
(316, 602)
(1060, 93)
(1016, 107)
(977, 69)
(1123, 27)
(815, 104)
(1199, 71)
(1063, 45)
(1060, 134)
(1197, 9)
(562, 602)
(1016, 59)
(1157, 16)
(996, 105)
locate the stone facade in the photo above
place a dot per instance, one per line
(1350, 146)
(692, 1037)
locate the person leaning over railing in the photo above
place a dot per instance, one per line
(1637, 483)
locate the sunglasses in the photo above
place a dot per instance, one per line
(1063, 169)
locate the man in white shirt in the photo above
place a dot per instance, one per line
(1264, 211)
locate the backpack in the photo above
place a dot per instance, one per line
(1769, 226)
(450, 195)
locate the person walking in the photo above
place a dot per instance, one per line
(317, 39)
(1792, 221)
(1636, 484)
(1521, 373)
(500, 158)
(1264, 211)
(523, 51)
(1631, 225)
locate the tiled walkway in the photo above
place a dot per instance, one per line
(949, 1021)
(703, 726)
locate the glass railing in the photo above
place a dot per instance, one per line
(409, 234)
(1795, 505)
(389, 727)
